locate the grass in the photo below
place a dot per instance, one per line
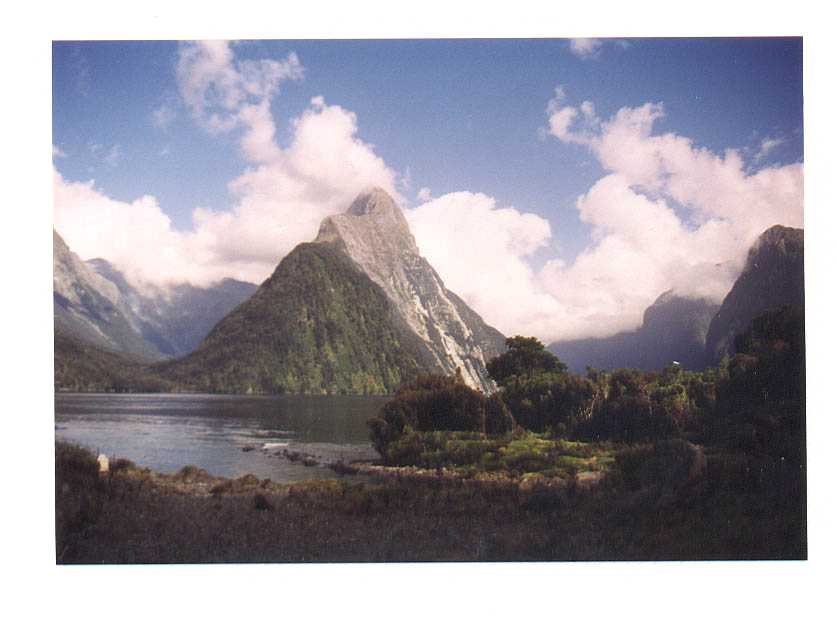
(510, 456)
(133, 515)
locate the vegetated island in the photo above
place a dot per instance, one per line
(622, 465)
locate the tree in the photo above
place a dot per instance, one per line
(438, 403)
(525, 357)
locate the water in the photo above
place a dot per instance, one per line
(215, 432)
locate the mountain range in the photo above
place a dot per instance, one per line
(673, 329)
(94, 303)
(358, 310)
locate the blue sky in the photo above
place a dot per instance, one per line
(451, 116)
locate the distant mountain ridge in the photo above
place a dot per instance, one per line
(91, 309)
(176, 319)
(94, 303)
(695, 332)
(673, 329)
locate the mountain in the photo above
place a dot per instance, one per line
(94, 303)
(773, 276)
(375, 235)
(89, 308)
(318, 325)
(177, 318)
(356, 311)
(674, 328)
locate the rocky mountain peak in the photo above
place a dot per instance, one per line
(373, 224)
(372, 201)
(373, 232)
(777, 242)
(71, 275)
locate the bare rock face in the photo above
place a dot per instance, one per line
(88, 307)
(374, 233)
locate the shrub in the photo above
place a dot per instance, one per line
(436, 403)
(121, 465)
(525, 357)
(554, 402)
(667, 463)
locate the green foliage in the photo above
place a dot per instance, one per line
(525, 357)
(317, 326)
(555, 402)
(761, 390)
(511, 455)
(437, 403)
(82, 367)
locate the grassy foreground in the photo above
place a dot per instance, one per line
(734, 510)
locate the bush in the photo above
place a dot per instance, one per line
(437, 403)
(121, 465)
(554, 402)
(667, 463)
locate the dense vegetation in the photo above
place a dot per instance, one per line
(317, 326)
(736, 431)
(82, 367)
(754, 400)
(132, 515)
(438, 403)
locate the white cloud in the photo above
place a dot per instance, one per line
(585, 48)
(665, 214)
(136, 236)
(767, 145)
(481, 252)
(277, 205)
(57, 152)
(223, 93)
(643, 245)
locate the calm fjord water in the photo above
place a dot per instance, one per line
(166, 432)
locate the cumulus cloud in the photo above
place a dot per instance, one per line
(136, 236)
(668, 214)
(223, 93)
(281, 203)
(275, 206)
(665, 214)
(481, 252)
(767, 145)
(585, 48)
